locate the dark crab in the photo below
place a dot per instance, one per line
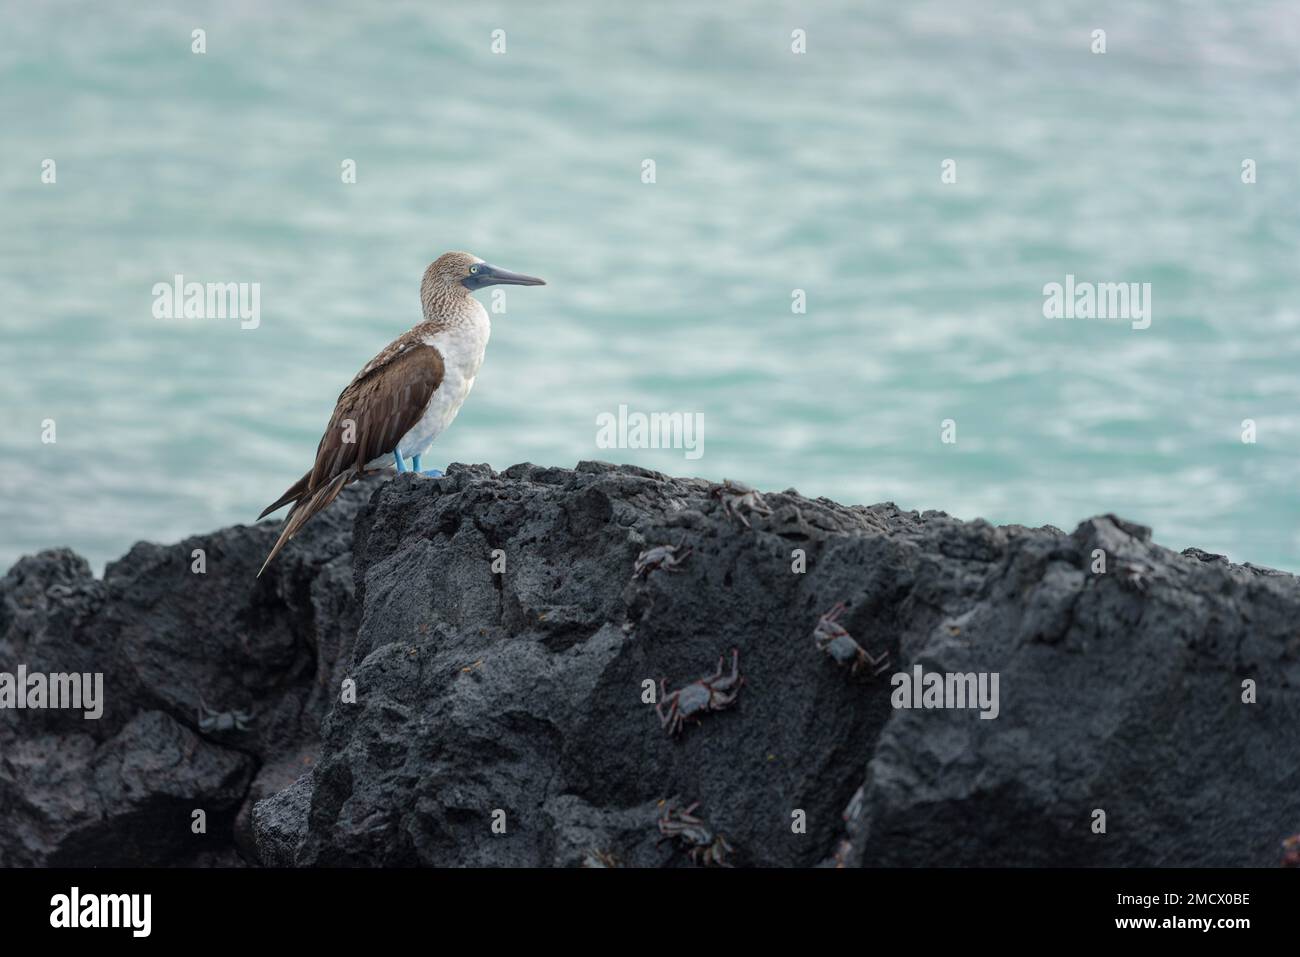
(737, 495)
(833, 638)
(667, 557)
(217, 722)
(703, 846)
(714, 693)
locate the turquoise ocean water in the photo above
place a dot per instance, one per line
(774, 172)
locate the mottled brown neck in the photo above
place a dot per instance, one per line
(441, 303)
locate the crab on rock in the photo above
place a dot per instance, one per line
(218, 722)
(834, 639)
(703, 846)
(714, 693)
(667, 557)
(737, 495)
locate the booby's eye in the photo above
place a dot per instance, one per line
(473, 269)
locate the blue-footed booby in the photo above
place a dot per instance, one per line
(407, 395)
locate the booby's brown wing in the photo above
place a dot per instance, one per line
(379, 406)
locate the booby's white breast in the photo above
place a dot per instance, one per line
(462, 346)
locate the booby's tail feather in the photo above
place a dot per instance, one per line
(305, 508)
(292, 494)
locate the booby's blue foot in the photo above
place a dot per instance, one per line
(415, 467)
(400, 462)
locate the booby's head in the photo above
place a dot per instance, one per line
(466, 270)
(451, 278)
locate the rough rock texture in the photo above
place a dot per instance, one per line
(475, 650)
(122, 790)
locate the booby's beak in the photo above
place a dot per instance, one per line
(486, 274)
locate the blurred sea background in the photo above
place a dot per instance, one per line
(775, 172)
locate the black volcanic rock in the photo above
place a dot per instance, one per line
(122, 789)
(496, 650)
